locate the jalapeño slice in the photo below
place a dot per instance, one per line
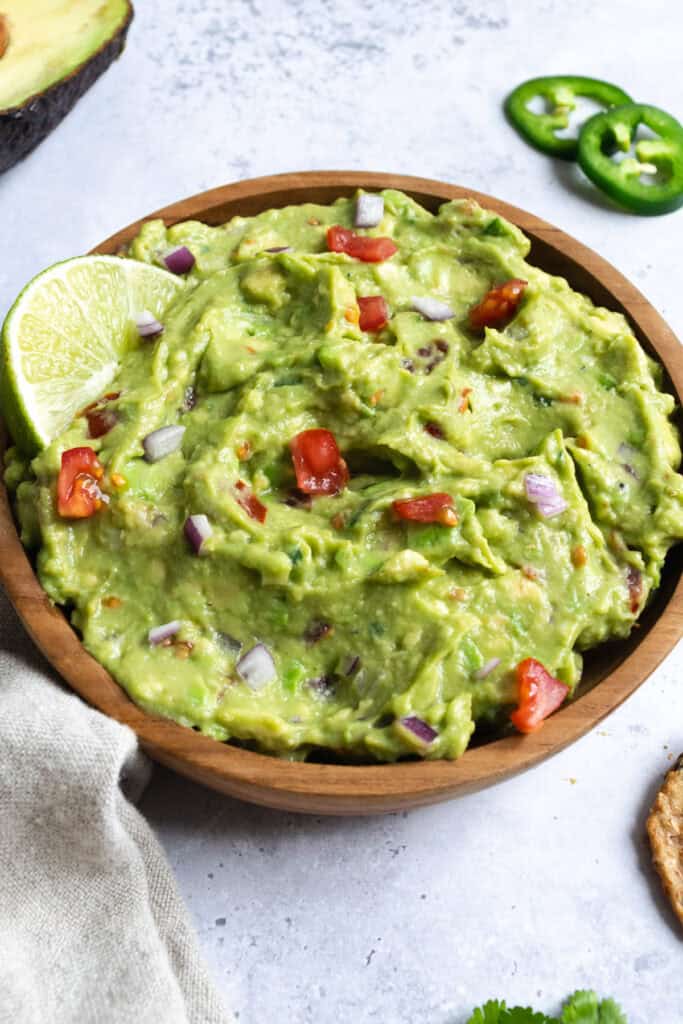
(560, 94)
(650, 182)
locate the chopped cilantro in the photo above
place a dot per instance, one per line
(495, 227)
(474, 659)
(295, 555)
(607, 381)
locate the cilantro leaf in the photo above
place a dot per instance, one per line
(583, 1008)
(495, 1012)
(525, 1015)
(489, 1013)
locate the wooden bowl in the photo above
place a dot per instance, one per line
(347, 789)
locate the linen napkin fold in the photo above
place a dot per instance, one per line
(92, 928)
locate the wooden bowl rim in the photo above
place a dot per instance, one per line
(332, 788)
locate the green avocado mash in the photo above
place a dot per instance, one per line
(369, 619)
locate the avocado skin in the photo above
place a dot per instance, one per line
(24, 127)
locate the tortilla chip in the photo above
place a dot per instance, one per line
(665, 829)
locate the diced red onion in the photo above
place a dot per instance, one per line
(487, 668)
(279, 248)
(179, 261)
(257, 667)
(369, 211)
(420, 729)
(162, 442)
(197, 530)
(158, 634)
(431, 309)
(147, 324)
(543, 493)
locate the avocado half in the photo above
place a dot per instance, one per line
(51, 52)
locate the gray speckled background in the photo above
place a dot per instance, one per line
(542, 884)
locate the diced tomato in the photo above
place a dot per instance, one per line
(498, 306)
(374, 312)
(250, 503)
(318, 464)
(431, 508)
(539, 694)
(78, 492)
(361, 247)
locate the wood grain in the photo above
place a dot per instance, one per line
(345, 789)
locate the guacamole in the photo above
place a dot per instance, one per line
(225, 591)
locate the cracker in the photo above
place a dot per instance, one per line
(665, 829)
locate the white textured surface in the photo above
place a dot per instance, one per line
(543, 883)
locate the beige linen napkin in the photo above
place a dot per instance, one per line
(92, 929)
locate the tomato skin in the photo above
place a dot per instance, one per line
(539, 694)
(361, 247)
(429, 508)
(250, 503)
(100, 418)
(374, 312)
(318, 464)
(100, 422)
(78, 492)
(498, 306)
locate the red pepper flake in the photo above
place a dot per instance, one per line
(634, 581)
(250, 503)
(338, 521)
(314, 222)
(360, 247)
(374, 312)
(352, 314)
(118, 480)
(464, 403)
(498, 306)
(435, 430)
(457, 594)
(112, 602)
(376, 398)
(579, 556)
(575, 398)
(243, 451)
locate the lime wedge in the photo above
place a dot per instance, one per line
(63, 337)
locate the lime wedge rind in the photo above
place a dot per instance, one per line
(62, 339)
